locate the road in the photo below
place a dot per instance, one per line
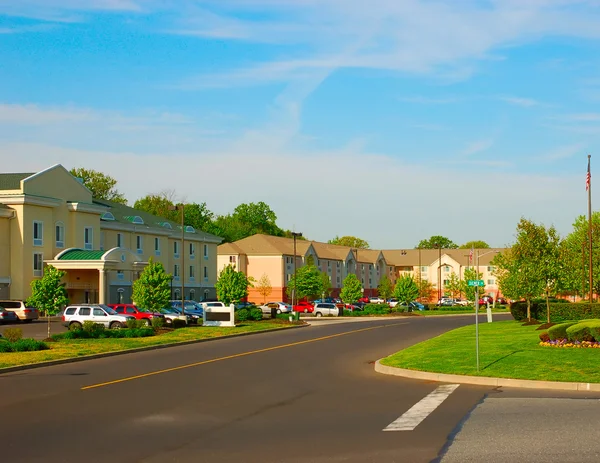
(304, 395)
(37, 329)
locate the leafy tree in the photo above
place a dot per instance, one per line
(351, 289)
(425, 287)
(454, 285)
(232, 286)
(385, 288)
(162, 205)
(470, 274)
(48, 294)
(264, 287)
(351, 241)
(152, 290)
(308, 281)
(325, 284)
(157, 204)
(437, 241)
(406, 290)
(478, 244)
(198, 216)
(258, 217)
(101, 185)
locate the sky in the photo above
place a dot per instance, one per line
(390, 120)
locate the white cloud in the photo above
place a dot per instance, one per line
(519, 101)
(477, 146)
(563, 152)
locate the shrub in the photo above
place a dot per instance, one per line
(544, 337)
(94, 329)
(124, 333)
(242, 315)
(178, 323)
(28, 345)
(519, 310)
(13, 334)
(256, 314)
(158, 323)
(559, 311)
(559, 331)
(131, 323)
(5, 346)
(376, 309)
(583, 331)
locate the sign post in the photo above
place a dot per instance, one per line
(477, 284)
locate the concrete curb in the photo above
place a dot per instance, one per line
(485, 381)
(137, 349)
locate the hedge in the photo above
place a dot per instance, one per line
(559, 311)
(559, 331)
(584, 331)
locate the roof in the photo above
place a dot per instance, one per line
(80, 254)
(260, 244)
(416, 257)
(13, 181)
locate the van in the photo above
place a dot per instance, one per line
(23, 312)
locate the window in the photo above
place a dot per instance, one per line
(491, 282)
(176, 271)
(88, 238)
(363, 267)
(99, 313)
(423, 269)
(176, 249)
(446, 269)
(192, 273)
(59, 232)
(38, 233)
(446, 282)
(120, 275)
(205, 273)
(38, 264)
(157, 246)
(84, 311)
(328, 264)
(119, 240)
(192, 250)
(288, 277)
(491, 268)
(206, 251)
(139, 244)
(370, 282)
(101, 240)
(232, 259)
(338, 264)
(192, 294)
(317, 262)
(338, 280)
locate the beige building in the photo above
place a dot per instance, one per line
(49, 217)
(272, 256)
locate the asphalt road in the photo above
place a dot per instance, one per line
(37, 329)
(304, 395)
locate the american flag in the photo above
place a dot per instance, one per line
(588, 177)
(471, 255)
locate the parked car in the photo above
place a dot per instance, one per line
(446, 302)
(76, 315)
(7, 316)
(192, 314)
(244, 305)
(304, 307)
(412, 306)
(136, 312)
(326, 308)
(171, 314)
(23, 312)
(364, 300)
(280, 307)
(462, 302)
(353, 307)
(393, 302)
(484, 300)
(190, 306)
(206, 304)
(376, 300)
(500, 300)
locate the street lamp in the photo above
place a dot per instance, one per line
(439, 246)
(294, 299)
(181, 207)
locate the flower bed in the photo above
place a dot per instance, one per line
(574, 344)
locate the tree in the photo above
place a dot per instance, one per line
(232, 286)
(351, 289)
(264, 287)
(159, 204)
(425, 287)
(325, 284)
(437, 241)
(162, 205)
(307, 281)
(454, 285)
(406, 290)
(470, 274)
(48, 294)
(258, 217)
(384, 288)
(152, 290)
(478, 244)
(101, 185)
(351, 241)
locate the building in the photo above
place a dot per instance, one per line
(50, 217)
(273, 256)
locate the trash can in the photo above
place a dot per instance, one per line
(273, 312)
(296, 316)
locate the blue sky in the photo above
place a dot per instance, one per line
(391, 120)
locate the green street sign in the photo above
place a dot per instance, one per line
(476, 283)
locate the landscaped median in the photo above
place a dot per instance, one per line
(80, 348)
(507, 349)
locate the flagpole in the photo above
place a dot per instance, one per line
(589, 190)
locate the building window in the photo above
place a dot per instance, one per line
(491, 282)
(192, 294)
(101, 240)
(119, 240)
(176, 271)
(176, 249)
(491, 268)
(446, 269)
(192, 250)
(424, 269)
(232, 259)
(205, 273)
(120, 275)
(157, 246)
(363, 267)
(446, 282)
(288, 277)
(139, 244)
(338, 280)
(38, 264)
(206, 251)
(59, 232)
(38, 233)
(88, 238)
(192, 273)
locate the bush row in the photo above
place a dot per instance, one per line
(104, 334)
(254, 313)
(22, 345)
(559, 311)
(587, 330)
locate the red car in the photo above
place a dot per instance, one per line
(134, 311)
(366, 300)
(304, 307)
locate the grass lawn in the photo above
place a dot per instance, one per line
(70, 348)
(506, 350)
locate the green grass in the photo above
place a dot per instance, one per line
(507, 350)
(70, 348)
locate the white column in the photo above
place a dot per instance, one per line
(102, 286)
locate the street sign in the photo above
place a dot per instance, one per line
(476, 283)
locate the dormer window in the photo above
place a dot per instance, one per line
(190, 229)
(107, 216)
(136, 219)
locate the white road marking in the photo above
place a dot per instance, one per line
(422, 409)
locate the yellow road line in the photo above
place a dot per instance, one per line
(243, 354)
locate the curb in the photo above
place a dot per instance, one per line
(50, 363)
(485, 380)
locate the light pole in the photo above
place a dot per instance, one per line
(294, 299)
(439, 246)
(181, 207)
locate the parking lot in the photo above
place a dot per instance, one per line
(37, 329)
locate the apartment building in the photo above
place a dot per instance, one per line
(50, 217)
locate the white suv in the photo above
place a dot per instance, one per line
(325, 308)
(75, 315)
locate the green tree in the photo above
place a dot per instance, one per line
(325, 284)
(232, 286)
(425, 287)
(152, 290)
(48, 294)
(454, 285)
(259, 217)
(385, 288)
(309, 282)
(406, 290)
(101, 185)
(264, 287)
(470, 274)
(435, 242)
(159, 204)
(351, 241)
(351, 289)
(478, 244)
